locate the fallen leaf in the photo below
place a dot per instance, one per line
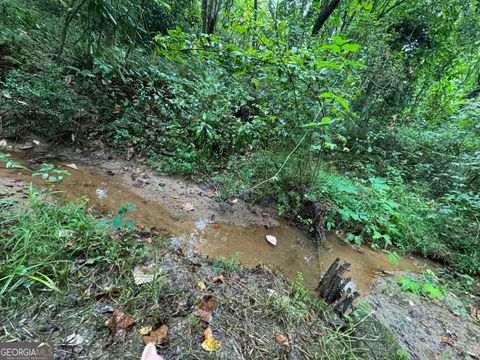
(205, 310)
(220, 278)
(448, 340)
(281, 339)
(174, 197)
(207, 303)
(271, 239)
(187, 207)
(72, 166)
(118, 325)
(202, 286)
(216, 226)
(143, 275)
(474, 313)
(159, 336)
(203, 315)
(145, 330)
(210, 344)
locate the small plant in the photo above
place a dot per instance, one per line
(9, 163)
(426, 286)
(50, 173)
(228, 267)
(119, 222)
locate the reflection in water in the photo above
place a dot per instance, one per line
(294, 252)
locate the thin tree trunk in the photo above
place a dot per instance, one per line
(204, 16)
(66, 25)
(325, 13)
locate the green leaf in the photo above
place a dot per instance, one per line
(339, 40)
(117, 222)
(129, 224)
(351, 47)
(393, 256)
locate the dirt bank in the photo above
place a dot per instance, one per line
(427, 329)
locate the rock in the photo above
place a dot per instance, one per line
(74, 339)
(130, 152)
(103, 308)
(72, 166)
(26, 146)
(271, 239)
(143, 275)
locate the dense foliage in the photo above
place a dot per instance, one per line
(375, 115)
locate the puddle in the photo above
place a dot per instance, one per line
(294, 251)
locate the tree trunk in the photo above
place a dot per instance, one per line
(204, 16)
(66, 25)
(325, 13)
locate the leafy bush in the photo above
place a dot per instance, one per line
(41, 101)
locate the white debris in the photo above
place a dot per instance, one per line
(272, 239)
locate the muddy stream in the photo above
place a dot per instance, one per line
(104, 190)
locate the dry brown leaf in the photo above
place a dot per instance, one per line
(118, 324)
(216, 226)
(281, 339)
(448, 340)
(207, 303)
(220, 278)
(205, 310)
(474, 313)
(203, 315)
(159, 336)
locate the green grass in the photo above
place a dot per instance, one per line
(63, 279)
(39, 243)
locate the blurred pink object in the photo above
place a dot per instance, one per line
(150, 353)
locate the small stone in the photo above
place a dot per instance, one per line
(103, 308)
(271, 239)
(74, 339)
(72, 166)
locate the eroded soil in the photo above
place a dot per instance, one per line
(426, 329)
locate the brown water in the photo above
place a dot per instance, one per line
(294, 251)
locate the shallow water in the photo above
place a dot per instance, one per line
(294, 251)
